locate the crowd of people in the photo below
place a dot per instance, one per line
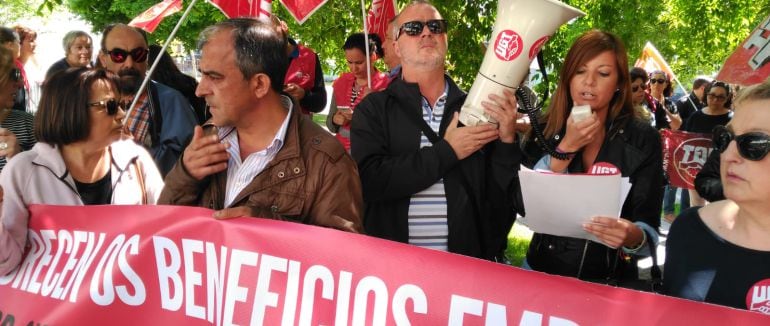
(241, 142)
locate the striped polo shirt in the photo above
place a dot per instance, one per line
(427, 209)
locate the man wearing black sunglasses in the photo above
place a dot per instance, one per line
(163, 119)
(428, 181)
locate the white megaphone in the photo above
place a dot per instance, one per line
(522, 27)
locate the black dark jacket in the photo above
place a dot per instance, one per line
(708, 182)
(385, 142)
(635, 148)
(687, 105)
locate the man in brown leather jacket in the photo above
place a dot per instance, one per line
(259, 156)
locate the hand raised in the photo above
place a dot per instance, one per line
(580, 133)
(205, 155)
(467, 140)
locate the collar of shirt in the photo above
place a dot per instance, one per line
(294, 54)
(226, 134)
(438, 107)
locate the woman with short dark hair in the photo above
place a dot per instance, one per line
(80, 158)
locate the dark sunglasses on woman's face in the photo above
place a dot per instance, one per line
(635, 88)
(118, 55)
(414, 28)
(111, 105)
(752, 146)
(15, 74)
(659, 81)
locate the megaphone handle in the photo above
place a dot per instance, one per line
(534, 121)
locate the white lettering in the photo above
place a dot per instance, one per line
(376, 286)
(262, 295)
(168, 271)
(404, 293)
(140, 293)
(314, 274)
(192, 278)
(235, 293)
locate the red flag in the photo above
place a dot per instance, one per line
(684, 154)
(750, 63)
(244, 8)
(380, 14)
(151, 18)
(302, 9)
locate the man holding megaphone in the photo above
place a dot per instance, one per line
(427, 180)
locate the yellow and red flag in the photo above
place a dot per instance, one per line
(151, 18)
(651, 60)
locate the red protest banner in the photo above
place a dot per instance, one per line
(684, 154)
(748, 65)
(164, 265)
(151, 18)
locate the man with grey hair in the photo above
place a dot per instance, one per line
(427, 180)
(78, 51)
(259, 156)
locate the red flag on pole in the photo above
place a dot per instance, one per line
(381, 12)
(244, 8)
(151, 18)
(750, 63)
(302, 9)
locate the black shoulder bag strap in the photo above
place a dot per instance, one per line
(156, 117)
(434, 138)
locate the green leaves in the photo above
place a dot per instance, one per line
(695, 37)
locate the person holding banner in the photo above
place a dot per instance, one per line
(351, 87)
(595, 73)
(79, 159)
(260, 156)
(720, 253)
(428, 181)
(715, 113)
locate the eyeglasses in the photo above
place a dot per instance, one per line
(637, 87)
(15, 75)
(715, 97)
(414, 28)
(752, 146)
(119, 55)
(111, 105)
(659, 81)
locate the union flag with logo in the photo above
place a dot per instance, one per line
(151, 18)
(684, 154)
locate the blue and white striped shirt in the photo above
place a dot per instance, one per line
(428, 209)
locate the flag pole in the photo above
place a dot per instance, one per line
(673, 76)
(157, 60)
(366, 46)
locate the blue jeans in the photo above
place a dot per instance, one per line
(669, 197)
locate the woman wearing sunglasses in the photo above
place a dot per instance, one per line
(595, 73)
(15, 126)
(646, 106)
(80, 159)
(716, 113)
(351, 87)
(720, 253)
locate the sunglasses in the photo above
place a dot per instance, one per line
(111, 105)
(637, 87)
(752, 146)
(659, 81)
(118, 55)
(15, 75)
(716, 97)
(414, 28)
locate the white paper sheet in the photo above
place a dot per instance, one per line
(559, 204)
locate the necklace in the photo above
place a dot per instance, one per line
(354, 93)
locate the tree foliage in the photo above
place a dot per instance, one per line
(694, 36)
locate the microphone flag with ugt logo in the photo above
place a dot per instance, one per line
(151, 18)
(244, 8)
(380, 14)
